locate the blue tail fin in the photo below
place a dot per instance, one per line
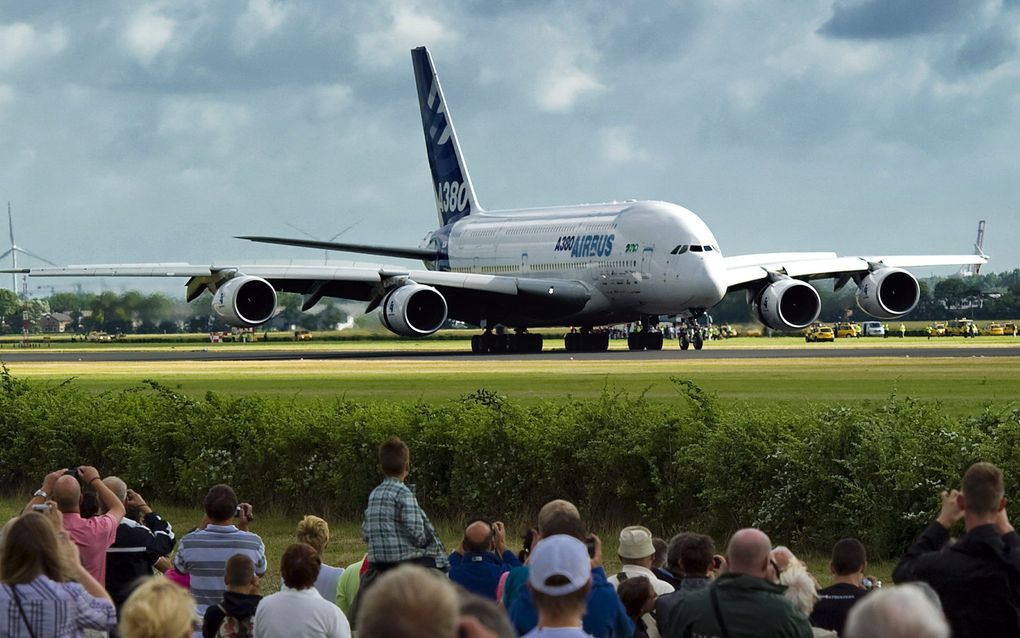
(455, 196)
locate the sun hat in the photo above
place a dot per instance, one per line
(636, 542)
(559, 555)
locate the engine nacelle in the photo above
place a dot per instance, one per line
(245, 301)
(788, 304)
(414, 310)
(888, 293)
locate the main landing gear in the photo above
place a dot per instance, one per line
(586, 341)
(517, 342)
(649, 338)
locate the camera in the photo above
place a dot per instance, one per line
(42, 507)
(237, 513)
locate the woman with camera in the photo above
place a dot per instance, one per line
(44, 590)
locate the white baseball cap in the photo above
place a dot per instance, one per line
(559, 555)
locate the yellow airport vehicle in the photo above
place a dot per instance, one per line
(959, 328)
(819, 333)
(994, 330)
(845, 330)
(938, 330)
(1009, 328)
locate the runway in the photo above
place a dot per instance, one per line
(708, 353)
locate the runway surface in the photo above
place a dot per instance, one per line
(709, 353)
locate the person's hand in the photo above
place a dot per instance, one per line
(470, 627)
(134, 499)
(596, 559)
(51, 480)
(245, 516)
(162, 564)
(54, 516)
(1002, 524)
(951, 510)
(88, 474)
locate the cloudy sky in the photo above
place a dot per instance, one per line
(156, 131)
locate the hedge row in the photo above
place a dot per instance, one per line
(807, 475)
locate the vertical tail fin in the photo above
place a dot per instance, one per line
(979, 249)
(455, 195)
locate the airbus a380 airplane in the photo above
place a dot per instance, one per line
(586, 266)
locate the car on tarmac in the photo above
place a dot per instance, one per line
(819, 333)
(994, 330)
(938, 329)
(959, 328)
(872, 329)
(845, 330)
(1010, 328)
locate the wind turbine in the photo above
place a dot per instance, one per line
(325, 253)
(15, 249)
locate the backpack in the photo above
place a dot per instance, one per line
(232, 627)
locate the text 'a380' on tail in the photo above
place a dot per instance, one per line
(455, 195)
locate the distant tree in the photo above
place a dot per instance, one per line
(330, 316)
(10, 311)
(955, 292)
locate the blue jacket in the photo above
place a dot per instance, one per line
(605, 616)
(480, 573)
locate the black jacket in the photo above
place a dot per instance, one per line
(239, 606)
(977, 578)
(134, 552)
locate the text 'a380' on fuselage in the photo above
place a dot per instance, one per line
(639, 258)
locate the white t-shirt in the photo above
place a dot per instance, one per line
(557, 632)
(299, 612)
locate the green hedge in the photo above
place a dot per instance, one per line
(807, 476)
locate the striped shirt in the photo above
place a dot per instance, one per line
(54, 610)
(395, 527)
(203, 554)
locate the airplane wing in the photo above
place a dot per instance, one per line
(365, 249)
(360, 283)
(744, 271)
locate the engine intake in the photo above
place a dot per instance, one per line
(888, 293)
(414, 310)
(245, 301)
(788, 304)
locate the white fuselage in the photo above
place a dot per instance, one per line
(627, 253)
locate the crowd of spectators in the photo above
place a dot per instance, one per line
(116, 568)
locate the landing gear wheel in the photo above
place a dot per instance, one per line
(684, 342)
(634, 341)
(699, 341)
(476, 344)
(653, 340)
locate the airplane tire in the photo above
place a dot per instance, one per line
(634, 341)
(535, 343)
(653, 341)
(476, 344)
(699, 342)
(570, 342)
(684, 343)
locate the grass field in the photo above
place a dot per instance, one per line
(962, 384)
(346, 547)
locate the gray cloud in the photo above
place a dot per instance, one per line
(984, 51)
(889, 19)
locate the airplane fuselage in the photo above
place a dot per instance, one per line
(639, 259)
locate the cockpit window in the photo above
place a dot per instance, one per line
(679, 250)
(708, 248)
(695, 249)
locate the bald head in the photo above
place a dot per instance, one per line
(552, 508)
(748, 553)
(478, 537)
(67, 494)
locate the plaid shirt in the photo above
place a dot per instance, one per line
(55, 609)
(396, 529)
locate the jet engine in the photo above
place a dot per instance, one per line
(245, 301)
(888, 293)
(414, 310)
(788, 304)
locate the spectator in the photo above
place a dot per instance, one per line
(636, 553)
(559, 579)
(659, 560)
(516, 580)
(239, 601)
(38, 598)
(638, 598)
(672, 572)
(142, 539)
(975, 577)
(347, 586)
(484, 560)
(528, 541)
(486, 613)
(298, 609)
(694, 554)
(742, 602)
(157, 609)
(802, 591)
(897, 612)
(203, 553)
(428, 604)
(93, 536)
(314, 531)
(849, 561)
(605, 617)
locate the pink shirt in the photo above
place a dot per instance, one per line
(93, 536)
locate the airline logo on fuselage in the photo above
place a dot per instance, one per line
(586, 245)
